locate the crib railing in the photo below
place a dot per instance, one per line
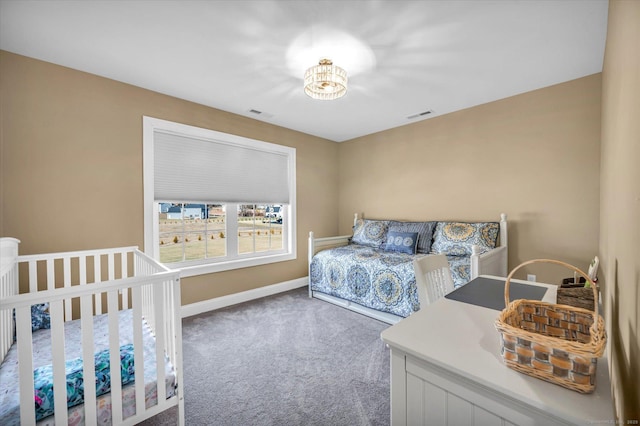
(8, 287)
(100, 281)
(55, 270)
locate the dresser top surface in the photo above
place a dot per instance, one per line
(462, 339)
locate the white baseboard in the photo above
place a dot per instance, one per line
(245, 296)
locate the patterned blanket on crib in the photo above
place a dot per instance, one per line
(43, 379)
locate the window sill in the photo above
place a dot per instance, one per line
(210, 268)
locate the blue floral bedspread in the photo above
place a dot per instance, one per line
(375, 278)
(460, 269)
(371, 277)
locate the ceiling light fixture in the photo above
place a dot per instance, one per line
(325, 81)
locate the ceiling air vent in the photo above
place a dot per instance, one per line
(420, 114)
(260, 113)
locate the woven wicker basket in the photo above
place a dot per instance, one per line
(557, 343)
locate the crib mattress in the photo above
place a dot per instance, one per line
(9, 396)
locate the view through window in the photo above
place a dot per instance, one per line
(192, 231)
(259, 228)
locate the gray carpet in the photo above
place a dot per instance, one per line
(283, 360)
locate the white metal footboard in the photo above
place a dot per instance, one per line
(495, 261)
(80, 285)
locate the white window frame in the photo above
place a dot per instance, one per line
(233, 260)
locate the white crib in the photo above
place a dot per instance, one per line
(79, 286)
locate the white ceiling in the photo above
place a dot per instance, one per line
(403, 57)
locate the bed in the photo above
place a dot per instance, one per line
(368, 274)
(109, 317)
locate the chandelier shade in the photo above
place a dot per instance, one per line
(325, 81)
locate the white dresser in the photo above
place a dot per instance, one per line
(446, 369)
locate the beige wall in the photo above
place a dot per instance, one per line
(620, 202)
(534, 156)
(71, 148)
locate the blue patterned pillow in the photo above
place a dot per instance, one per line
(40, 317)
(424, 230)
(403, 242)
(458, 238)
(371, 233)
(43, 380)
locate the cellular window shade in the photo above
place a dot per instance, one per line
(192, 169)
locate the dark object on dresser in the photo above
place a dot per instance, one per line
(575, 295)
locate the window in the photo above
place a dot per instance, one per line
(215, 201)
(189, 231)
(258, 229)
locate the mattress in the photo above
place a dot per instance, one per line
(9, 396)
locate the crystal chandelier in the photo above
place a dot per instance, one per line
(325, 81)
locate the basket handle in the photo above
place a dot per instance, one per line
(556, 262)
